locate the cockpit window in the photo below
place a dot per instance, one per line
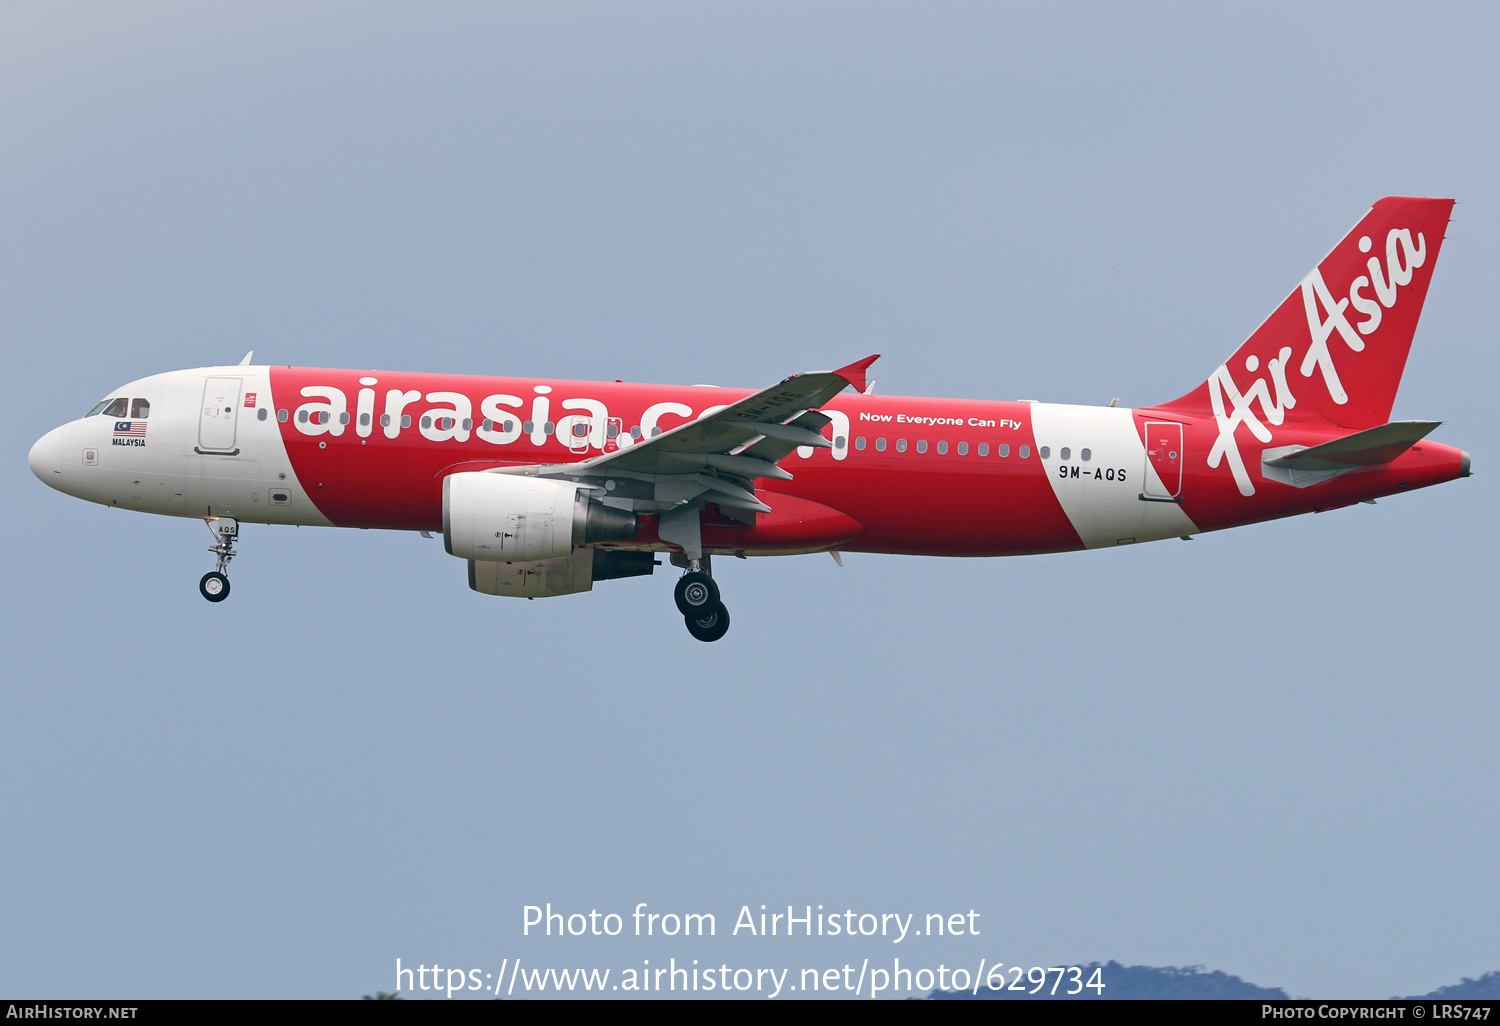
(118, 407)
(102, 404)
(140, 409)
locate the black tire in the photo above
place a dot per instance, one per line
(214, 586)
(710, 626)
(695, 593)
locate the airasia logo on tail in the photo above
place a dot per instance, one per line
(1402, 258)
(1325, 317)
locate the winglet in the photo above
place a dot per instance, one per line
(855, 372)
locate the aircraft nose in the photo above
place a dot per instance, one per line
(45, 459)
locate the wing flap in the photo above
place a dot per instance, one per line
(776, 448)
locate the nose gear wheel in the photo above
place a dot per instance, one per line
(214, 586)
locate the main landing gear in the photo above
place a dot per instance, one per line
(697, 599)
(215, 585)
(710, 625)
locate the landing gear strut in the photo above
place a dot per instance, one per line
(697, 598)
(215, 585)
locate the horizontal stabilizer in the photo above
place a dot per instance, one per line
(1362, 449)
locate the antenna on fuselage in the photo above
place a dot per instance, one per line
(246, 361)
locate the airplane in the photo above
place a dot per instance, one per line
(544, 487)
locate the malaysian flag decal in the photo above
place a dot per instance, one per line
(130, 429)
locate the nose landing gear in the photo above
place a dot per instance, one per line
(697, 598)
(214, 585)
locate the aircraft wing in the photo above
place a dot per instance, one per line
(726, 451)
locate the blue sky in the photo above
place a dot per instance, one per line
(1270, 751)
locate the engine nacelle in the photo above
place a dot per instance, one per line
(565, 575)
(515, 518)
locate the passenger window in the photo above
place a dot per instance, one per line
(118, 408)
(344, 418)
(1086, 455)
(281, 416)
(140, 409)
(364, 420)
(406, 420)
(1025, 452)
(900, 445)
(635, 432)
(612, 431)
(385, 420)
(942, 448)
(859, 443)
(262, 413)
(426, 423)
(839, 442)
(98, 407)
(549, 427)
(468, 424)
(880, 445)
(963, 448)
(922, 445)
(1045, 452)
(1067, 453)
(984, 449)
(301, 416)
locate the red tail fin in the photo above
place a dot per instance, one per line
(1336, 347)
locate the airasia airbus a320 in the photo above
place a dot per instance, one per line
(545, 487)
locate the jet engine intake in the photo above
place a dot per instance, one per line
(510, 517)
